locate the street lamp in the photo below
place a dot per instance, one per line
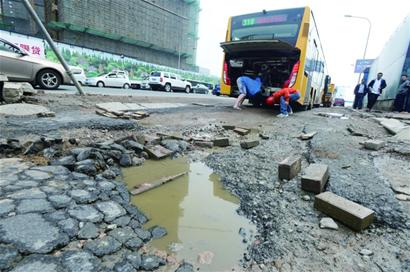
(368, 34)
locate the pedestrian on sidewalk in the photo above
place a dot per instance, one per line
(407, 102)
(283, 97)
(249, 85)
(376, 87)
(403, 95)
(360, 92)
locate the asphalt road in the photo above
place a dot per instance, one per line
(134, 92)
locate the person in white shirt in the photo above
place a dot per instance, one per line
(376, 87)
(359, 93)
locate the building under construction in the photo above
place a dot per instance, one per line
(156, 31)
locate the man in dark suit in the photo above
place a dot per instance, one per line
(376, 87)
(402, 98)
(359, 93)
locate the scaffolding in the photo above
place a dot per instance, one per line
(165, 31)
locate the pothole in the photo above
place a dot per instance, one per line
(198, 213)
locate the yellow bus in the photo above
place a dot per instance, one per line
(329, 96)
(281, 45)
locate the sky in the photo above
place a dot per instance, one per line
(343, 39)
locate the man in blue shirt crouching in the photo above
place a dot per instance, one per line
(249, 86)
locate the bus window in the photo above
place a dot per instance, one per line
(283, 25)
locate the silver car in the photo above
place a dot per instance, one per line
(18, 65)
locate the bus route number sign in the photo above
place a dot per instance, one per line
(264, 20)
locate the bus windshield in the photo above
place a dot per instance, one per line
(276, 25)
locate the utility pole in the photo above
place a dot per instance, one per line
(50, 41)
(368, 36)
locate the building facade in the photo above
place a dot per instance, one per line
(157, 31)
(393, 61)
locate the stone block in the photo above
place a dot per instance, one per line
(289, 168)
(228, 127)
(353, 215)
(12, 92)
(205, 144)
(249, 144)
(373, 144)
(27, 88)
(157, 152)
(242, 131)
(315, 178)
(221, 142)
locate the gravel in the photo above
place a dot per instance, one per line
(288, 224)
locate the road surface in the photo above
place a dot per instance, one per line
(134, 92)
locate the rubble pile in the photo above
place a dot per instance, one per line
(51, 217)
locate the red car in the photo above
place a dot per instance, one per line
(339, 102)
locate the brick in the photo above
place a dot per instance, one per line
(157, 152)
(315, 178)
(221, 142)
(242, 131)
(373, 144)
(228, 127)
(206, 144)
(249, 144)
(289, 168)
(353, 215)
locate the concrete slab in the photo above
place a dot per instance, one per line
(289, 168)
(391, 125)
(403, 135)
(353, 215)
(112, 106)
(315, 178)
(157, 152)
(373, 144)
(401, 116)
(20, 109)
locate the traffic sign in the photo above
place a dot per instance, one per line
(362, 64)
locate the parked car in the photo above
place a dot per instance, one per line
(168, 82)
(18, 65)
(140, 84)
(217, 90)
(200, 88)
(79, 74)
(135, 84)
(339, 102)
(145, 84)
(112, 79)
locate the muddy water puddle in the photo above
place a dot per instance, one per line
(198, 213)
